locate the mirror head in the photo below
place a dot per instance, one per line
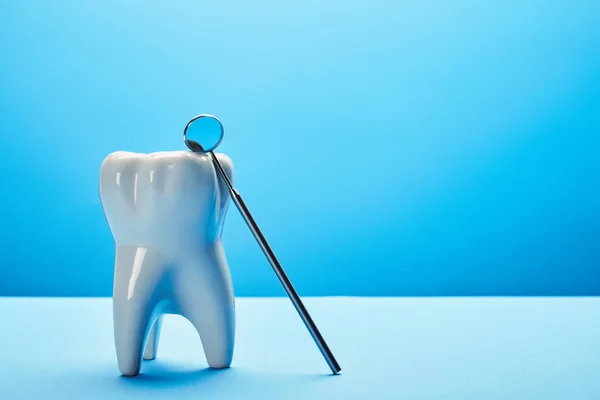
(203, 133)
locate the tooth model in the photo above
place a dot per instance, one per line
(166, 212)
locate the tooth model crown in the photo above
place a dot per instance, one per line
(166, 212)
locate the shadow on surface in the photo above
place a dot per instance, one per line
(158, 373)
(181, 381)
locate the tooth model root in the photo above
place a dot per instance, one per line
(152, 343)
(138, 276)
(215, 320)
(196, 288)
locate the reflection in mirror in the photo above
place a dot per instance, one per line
(203, 133)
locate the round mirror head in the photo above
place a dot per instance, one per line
(203, 133)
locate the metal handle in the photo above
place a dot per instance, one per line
(281, 275)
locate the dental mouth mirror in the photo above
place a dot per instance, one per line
(209, 131)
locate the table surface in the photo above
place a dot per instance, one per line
(389, 348)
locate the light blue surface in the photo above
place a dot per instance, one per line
(385, 147)
(427, 348)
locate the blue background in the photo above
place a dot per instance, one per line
(386, 148)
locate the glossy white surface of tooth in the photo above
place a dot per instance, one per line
(166, 212)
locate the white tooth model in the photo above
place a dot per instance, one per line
(166, 212)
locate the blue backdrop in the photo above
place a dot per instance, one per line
(386, 148)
